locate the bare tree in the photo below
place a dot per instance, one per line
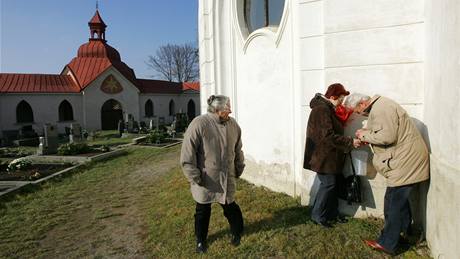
(178, 63)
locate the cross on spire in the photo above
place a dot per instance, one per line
(97, 5)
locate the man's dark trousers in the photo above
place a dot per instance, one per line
(203, 213)
(326, 202)
(397, 214)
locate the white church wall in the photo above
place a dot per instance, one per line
(161, 104)
(185, 98)
(45, 109)
(265, 101)
(310, 41)
(250, 69)
(206, 49)
(442, 93)
(94, 98)
(376, 48)
(403, 49)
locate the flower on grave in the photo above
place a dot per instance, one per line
(18, 164)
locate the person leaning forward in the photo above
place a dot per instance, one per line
(211, 160)
(400, 155)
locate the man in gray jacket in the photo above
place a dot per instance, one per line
(212, 159)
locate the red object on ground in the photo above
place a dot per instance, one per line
(377, 246)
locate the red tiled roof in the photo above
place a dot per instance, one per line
(95, 57)
(97, 19)
(98, 49)
(158, 87)
(165, 87)
(37, 83)
(195, 86)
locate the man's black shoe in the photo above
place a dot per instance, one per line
(324, 224)
(201, 247)
(236, 240)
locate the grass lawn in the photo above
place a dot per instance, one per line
(83, 214)
(276, 226)
(139, 206)
(110, 138)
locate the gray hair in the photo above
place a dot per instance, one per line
(354, 99)
(217, 103)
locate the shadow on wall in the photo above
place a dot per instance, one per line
(362, 161)
(418, 198)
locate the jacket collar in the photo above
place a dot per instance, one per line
(320, 99)
(216, 118)
(373, 100)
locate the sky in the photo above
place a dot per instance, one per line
(42, 36)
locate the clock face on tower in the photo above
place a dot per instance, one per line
(110, 85)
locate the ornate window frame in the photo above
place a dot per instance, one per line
(272, 32)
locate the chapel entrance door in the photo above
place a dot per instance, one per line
(111, 113)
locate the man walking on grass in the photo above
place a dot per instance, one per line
(212, 159)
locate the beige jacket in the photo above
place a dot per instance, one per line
(400, 154)
(212, 159)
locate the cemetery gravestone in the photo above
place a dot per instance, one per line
(121, 127)
(50, 142)
(75, 133)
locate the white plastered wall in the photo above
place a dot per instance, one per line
(161, 104)
(406, 50)
(442, 92)
(255, 71)
(94, 98)
(45, 109)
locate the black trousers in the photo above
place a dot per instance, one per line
(326, 202)
(398, 216)
(203, 213)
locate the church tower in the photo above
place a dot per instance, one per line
(97, 27)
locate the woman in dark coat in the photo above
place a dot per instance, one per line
(325, 150)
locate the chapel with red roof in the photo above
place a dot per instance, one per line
(95, 89)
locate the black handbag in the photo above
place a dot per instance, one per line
(351, 186)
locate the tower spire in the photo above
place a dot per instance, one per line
(97, 26)
(97, 5)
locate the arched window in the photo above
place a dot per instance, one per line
(172, 108)
(262, 13)
(191, 109)
(24, 113)
(149, 108)
(65, 111)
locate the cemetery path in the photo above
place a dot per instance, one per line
(112, 220)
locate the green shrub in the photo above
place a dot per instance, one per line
(156, 136)
(73, 149)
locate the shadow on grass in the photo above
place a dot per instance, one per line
(280, 219)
